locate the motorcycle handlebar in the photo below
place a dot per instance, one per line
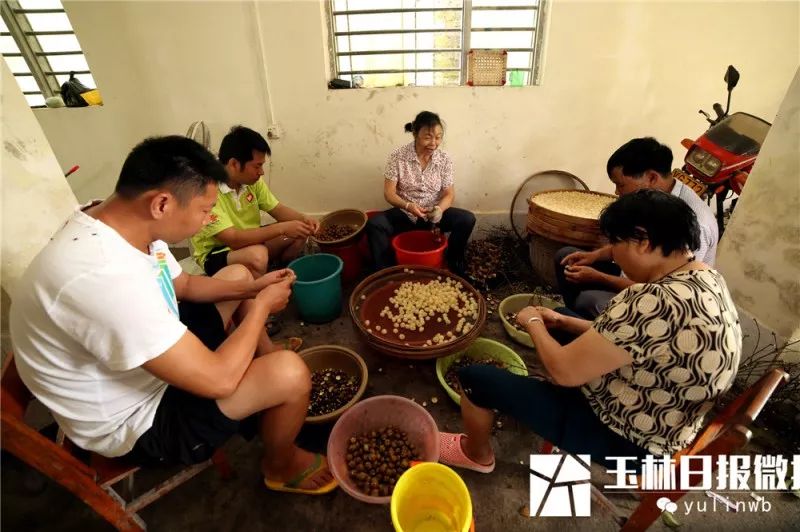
(708, 117)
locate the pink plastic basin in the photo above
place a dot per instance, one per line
(373, 414)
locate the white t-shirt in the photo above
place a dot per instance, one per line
(709, 231)
(88, 312)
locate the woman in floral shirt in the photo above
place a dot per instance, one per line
(418, 183)
(638, 380)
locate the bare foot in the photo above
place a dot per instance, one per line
(479, 456)
(301, 460)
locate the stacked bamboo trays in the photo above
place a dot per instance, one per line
(372, 295)
(563, 217)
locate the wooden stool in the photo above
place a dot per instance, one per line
(727, 433)
(92, 482)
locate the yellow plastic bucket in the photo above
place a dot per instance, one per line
(431, 497)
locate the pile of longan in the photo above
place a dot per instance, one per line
(376, 459)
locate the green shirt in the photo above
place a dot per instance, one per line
(242, 211)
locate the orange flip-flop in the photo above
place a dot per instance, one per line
(292, 486)
(293, 343)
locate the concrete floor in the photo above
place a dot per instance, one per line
(207, 503)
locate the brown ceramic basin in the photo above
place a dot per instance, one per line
(352, 217)
(372, 295)
(324, 357)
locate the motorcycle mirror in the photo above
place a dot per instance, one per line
(731, 77)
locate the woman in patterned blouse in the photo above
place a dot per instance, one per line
(418, 183)
(641, 377)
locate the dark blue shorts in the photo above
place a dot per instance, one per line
(558, 414)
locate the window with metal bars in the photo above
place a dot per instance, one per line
(40, 48)
(385, 43)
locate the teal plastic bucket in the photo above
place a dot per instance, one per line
(318, 288)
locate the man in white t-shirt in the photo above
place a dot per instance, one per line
(589, 279)
(138, 359)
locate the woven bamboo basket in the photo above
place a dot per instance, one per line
(542, 253)
(567, 228)
(550, 230)
(486, 67)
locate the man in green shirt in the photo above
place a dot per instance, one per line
(235, 235)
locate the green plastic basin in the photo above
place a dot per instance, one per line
(479, 349)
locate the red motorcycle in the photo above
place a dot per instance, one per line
(719, 161)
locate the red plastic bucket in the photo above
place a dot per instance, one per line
(363, 245)
(351, 257)
(419, 248)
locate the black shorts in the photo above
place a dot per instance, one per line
(215, 261)
(187, 429)
(204, 321)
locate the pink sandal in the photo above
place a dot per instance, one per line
(450, 453)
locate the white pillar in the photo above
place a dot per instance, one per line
(36, 197)
(759, 254)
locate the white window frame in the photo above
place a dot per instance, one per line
(537, 44)
(30, 50)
